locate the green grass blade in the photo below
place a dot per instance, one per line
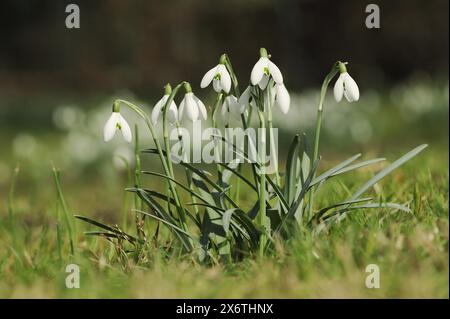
(88, 220)
(334, 170)
(388, 170)
(291, 170)
(62, 201)
(175, 227)
(235, 172)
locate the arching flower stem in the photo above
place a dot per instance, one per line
(166, 169)
(323, 92)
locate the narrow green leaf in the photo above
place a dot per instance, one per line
(388, 170)
(226, 219)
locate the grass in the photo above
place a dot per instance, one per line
(411, 249)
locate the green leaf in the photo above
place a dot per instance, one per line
(226, 219)
(187, 189)
(235, 172)
(88, 220)
(322, 211)
(388, 170)
(334, 170)
(185, 240)
(359, 165)
(175, 227)
(291, 170)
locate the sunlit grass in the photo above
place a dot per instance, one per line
(411, 250)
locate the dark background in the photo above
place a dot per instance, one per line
(140, 44)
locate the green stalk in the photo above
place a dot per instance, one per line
(214, 123)
(243, 119)
(323, 92)
(59, 242)
(65, 209)
(137, 184)
(11, 217)
(138, 168)
(125, 196)
(149, 124)
(188, 174)
(271, 136)
(262, 187)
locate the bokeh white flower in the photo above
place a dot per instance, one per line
(116, 122)
(346, 86)
(220, 78)
(282, 98)
(172, 113)
(193, 107)
(262, 71)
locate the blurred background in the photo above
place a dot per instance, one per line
(57, 84)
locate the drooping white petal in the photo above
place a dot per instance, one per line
(156, 112)
(339, 89)
(351, 88)
(201, 108)
(275, 72)
(125, 129)
(347, 96)
(225, 78)
(181, 109)
(172, 114)
(208, 77)
(191, 106)
(217, 85)
(258, 70)
(282, 98)
(263, 83)
(110, 127)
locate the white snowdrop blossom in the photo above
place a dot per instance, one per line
(282, 98)
(172, 113)
(346, 86)
(193, 107)
(116, 122)
(231, 107)
(220, 78)
(278, 96)
(262, 71)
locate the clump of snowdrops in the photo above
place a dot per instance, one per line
(203, 210)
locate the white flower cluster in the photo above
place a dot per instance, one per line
(265, 79)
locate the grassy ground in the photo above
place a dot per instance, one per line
(411, 250)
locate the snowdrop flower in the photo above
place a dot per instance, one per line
(116, 122)
(231, 107)
(282, 98)
(172, 114)
(278, 96)
(219, 76)
(345, 86)
(263, 69)
(191, 105)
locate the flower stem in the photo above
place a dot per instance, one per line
(262, 185)
(173, 190)
(138, 184)
(273, 149)
(217, 150)
(323, 92)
